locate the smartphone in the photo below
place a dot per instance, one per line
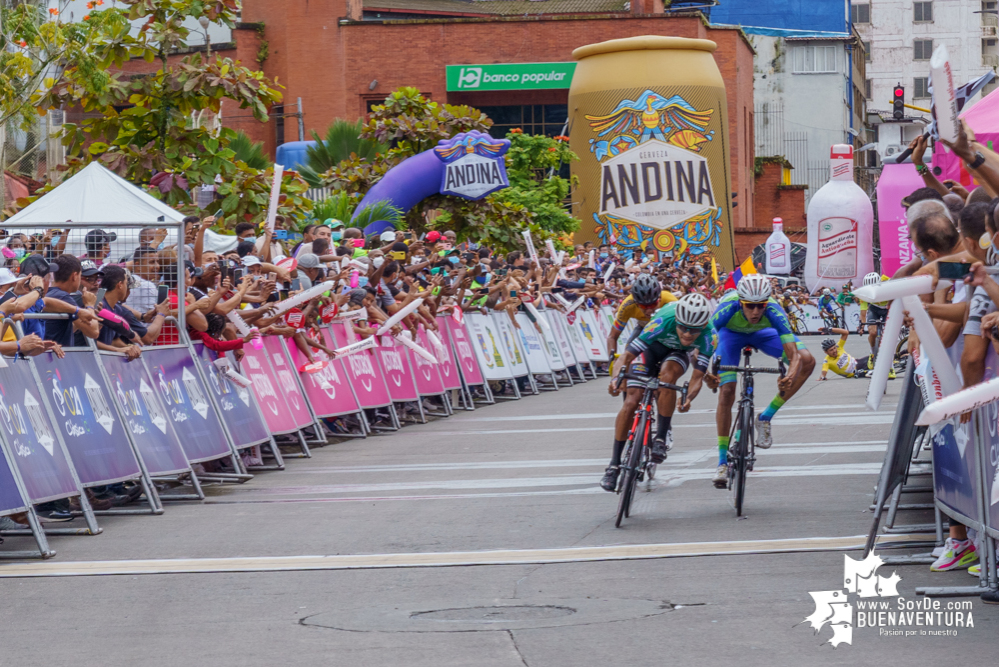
(100, 296)
(281, 234)
(162, 292)
(358, 243)
(223, 269)
(272, 276)
(296, 285)
(513, 294)
(954, 270)
(237, 275)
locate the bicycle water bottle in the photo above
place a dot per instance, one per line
(840, 228)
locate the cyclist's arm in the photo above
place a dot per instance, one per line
(612, 339)
(825, 368)
(844, 335)
(724, 313)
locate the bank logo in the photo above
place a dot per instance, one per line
(470, 77)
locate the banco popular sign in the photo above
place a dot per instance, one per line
(510, 76)
(656, 184)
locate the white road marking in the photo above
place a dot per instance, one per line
(820, 409)
(446, 559)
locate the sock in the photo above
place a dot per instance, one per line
(616, 456)
(722, 450)
(662, 426)
(874, 350)
(772, 409)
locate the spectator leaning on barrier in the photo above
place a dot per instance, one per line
(115, 334)
(65, 283)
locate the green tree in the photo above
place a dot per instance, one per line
(343, 139)
(342, 206)
(414, 124)
(249, 151)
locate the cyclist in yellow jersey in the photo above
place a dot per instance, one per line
(839, 361)
(645, 299)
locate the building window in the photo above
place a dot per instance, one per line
(921, 85)
(990, 5)
(867, 51)
(922, 12)
(812, 59)
(868, 86)
(546, 119)
(922, 49)
(860, 13)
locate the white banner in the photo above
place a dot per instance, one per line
(596, 340)
(488, 347)
(511, 344)
(557, 322)
(533, 345)
(547, 336)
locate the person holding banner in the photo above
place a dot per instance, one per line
(749, 317)
(662, 349)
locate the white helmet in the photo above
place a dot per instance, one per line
(872, 278)
(693, 310)
(827, 292)
(754, 288)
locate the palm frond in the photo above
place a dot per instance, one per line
(342, 139)
(249, 151)
(342, 206)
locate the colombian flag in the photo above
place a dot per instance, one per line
(745, 269)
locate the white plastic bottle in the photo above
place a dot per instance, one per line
(778, 250)
(840, 228)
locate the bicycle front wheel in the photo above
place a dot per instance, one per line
(630, 481)
(737, 471)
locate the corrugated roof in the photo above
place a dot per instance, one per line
(498, 7)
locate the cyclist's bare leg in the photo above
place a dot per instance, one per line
(632, 398)
(872, 338)
(666, 403)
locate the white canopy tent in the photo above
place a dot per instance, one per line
(97, 196)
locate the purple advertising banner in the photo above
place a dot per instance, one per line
(31, 437)
(287, 381)
(428, 377)
(990, 419)
(94, 436)
(265, 387)
(395, 370)
(246, 425)
(326, 389)
(186, 400)
(145, 415)
(362, 368)
(448, 367)
(955, 470)
(10, 497)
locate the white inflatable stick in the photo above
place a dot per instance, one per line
(307, 295)
(405, 340)
(967, 399)
(895, 289)
(886, 355)
(932, 345)
(402, 313)
(353, 348)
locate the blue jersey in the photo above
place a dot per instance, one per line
(729, 315)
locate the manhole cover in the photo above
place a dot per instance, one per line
(494, 614)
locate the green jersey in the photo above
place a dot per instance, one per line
(662, 329)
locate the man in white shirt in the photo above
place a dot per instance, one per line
(145, 270)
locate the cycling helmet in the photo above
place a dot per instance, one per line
(754, 288)
(693, 310)
(827, 292)
(873, 278)
(828, 343)
(646, 290)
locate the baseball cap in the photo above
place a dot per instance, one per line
(333, 223)
(36, 265)
(7, 277)
(88, 269)
(308, 261)
(250, 260)
(98, 237)
(433, 236)
(387, 236)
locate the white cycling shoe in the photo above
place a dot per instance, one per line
(763, 437)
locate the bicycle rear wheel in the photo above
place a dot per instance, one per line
(630, 481)
(737, 471)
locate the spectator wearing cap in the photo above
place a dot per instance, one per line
(387, 238)
(97, 243)
(309, 270)
(65, 283)
(432, 237)
(90, 276)
(145, 273)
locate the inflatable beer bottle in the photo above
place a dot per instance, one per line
(648, 119)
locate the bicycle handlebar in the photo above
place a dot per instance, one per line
(624, 375)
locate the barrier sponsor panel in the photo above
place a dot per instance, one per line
(561, 338)
(488, 347)
(550, 345)
(31, 436)
(990, 441)
(175, 375)
(533, 345)
(243, 419)
(448, 368)
(10, 498)
(287, 383)
(506, 330)
(570, 322)
(464, 352)
(95, 438)
(955, 470)
(326, 389)
(277, 414)
(595, 340)
(395, 369)
(362, 368)
(428, 377)
(144, 414)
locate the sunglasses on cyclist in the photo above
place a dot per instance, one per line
(689, 330)
(754, 306)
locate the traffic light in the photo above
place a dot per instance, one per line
(898, 103)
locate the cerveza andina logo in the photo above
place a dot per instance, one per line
(865, 592)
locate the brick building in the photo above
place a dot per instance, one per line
(343, 56)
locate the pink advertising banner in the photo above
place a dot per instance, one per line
(896, 181)
(448, 366)
(395, 368)
(287, 382)
(465, 354)
(428, 377)
(265, 387)
(326, 389)
(362, 368)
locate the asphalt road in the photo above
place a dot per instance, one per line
(327, 562)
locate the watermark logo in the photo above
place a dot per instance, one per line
(861, 603)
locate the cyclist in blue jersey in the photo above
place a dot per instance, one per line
(748, 317)
(827, 304)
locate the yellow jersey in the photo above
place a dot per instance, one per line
(843, 364)
(629, 310)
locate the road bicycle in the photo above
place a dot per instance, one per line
(742, 443)
(797, 324)
(637, 459)
(901, 347)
